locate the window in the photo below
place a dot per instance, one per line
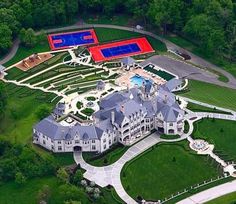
(104, 140)
(93, 147)
(109, 142)
(52, 147)
(104, 147)
(76, 141)
(44, 142)
(59, 142)
(171, 124)
(59, 148)
(43, 136)
(93, 141)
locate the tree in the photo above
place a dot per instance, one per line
(28, 37)
(43, 111)
(6, 38)
(20, 178)
(77, 177)
(8, 18)
(62, 175)
(166, 13)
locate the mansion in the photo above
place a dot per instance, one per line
(123, 117)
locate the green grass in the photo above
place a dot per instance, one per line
(87, 111)
(225, 64)
(226, 199)
(27, 193)
(198, 108)
(111, 156)
(153, 174)
(23, 52)
(212, 94)
(20, 114)
(221, 133)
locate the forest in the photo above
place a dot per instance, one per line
(211, 24)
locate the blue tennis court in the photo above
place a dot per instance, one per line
(120, 50)
(66, 40)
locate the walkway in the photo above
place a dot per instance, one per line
(12, 52)
(110, 175)
(211, 193)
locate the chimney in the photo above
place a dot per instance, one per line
(165, 100)
(122, 108)
(112, 117)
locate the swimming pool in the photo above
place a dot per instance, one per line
(161, 73)
(138, 80)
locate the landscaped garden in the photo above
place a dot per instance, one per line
(87, 111)
(152, 175)
(212, 94)
(221, 133)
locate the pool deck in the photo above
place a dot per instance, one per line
(124, 79)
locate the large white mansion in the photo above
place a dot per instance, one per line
(123, 117)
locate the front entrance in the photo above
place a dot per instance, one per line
(77, 148)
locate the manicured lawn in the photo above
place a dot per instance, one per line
(109, 157)
(87, 111)
(228, 66)
(221, 133)
(212, 94)
(164, 170)
(226, 199)
(198, 108)
(91, 98)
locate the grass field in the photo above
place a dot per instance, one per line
(228, 66)
(226, 199)
(20, 114)
(198, 108)
(212, 94)
(221, 133)
(165, 170)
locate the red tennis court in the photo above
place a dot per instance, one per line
(70, 39)
(124, 48)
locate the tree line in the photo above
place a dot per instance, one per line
(209, 23)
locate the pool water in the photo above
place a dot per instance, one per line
(138, 80)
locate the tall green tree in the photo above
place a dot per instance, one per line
(28, 37)
(166, 13)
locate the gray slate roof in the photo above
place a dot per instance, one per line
(56, 131)
(172, 84)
